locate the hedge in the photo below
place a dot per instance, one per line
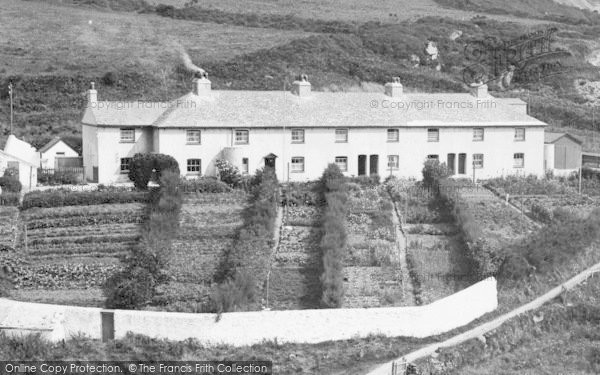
(247, 262)
(66, 197)
(205, 185)
(333, 189)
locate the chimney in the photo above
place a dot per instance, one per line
(201, 84)
(92, 95)
(479, 90)
(301, 86)
(394, 88)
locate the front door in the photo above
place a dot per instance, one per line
(374, 164)
(462, 161)
(270, 161)
(451, 160)
(362, 165)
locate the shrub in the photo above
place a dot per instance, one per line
(541, 213)
(433, 171)
(145, 268)
(205, 185)
(10, 184)
(234, 294)
(144, 167)
(10, 199)
(333, 242)
(228, 173)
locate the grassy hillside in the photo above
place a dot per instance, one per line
(135, 56)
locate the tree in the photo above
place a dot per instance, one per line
(433, 171)
(228, 173)
(143, 167)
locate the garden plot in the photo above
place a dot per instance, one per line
(208, 225)
(541, 208)
(372, 274)
(296, 267)
(70, 251)
(435, 252)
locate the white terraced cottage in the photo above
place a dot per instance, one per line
(301, 131)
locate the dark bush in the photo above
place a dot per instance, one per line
(109, 79)
(228, 173)
(145, 167)
(9, 199)
(234, 294)
(10, 184)
(433, 172)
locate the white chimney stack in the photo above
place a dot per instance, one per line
(394, 88)
(301, 86)
(92, 94)
(202, 85)
(479, 90)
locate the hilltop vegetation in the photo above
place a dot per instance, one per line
(134, 56)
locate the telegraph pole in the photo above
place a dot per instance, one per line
(10, 93)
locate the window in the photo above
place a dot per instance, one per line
(297, 164)
(433, 157)
(393, 161)
(342, 163)
(297, 135)
(127, 135)
(477, 161)
(241, 137)
(519, 160)
(194, 166)
(60, 154)
(478, 134)
(192, 137)
(341, 135)
(393, 135)
(433, 135)
(519, 134)
(245, 165)
(125, 165)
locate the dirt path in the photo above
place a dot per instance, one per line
(479, 331)
(407, 287)
(276, 240)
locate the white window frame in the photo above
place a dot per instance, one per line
(295, 133)
(393, 162)
(522, 159)
(245, 166)
(190, 138)
(242, 141)
(478, 137)
(478, 162)
(124, 131)
(341, 132)
(193, 166)
(121, 164)
(520, 138)
(297, 164)
(343, 161)
(431, 131)
(395, 135)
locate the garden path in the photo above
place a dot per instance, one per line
(401, 243)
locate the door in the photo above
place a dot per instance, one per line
(374, 164)
(362, 165)
(462, 161)
(94, 174)
(450, 162)
(270, 161)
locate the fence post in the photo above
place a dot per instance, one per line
(108, 325)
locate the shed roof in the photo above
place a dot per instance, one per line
(552, 137)
(53, 142)
(268, 109)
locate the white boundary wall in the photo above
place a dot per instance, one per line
(245, 328)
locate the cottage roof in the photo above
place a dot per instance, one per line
(52, 143)
(552, 137)
(16, 158)
(21, 150)
(266, 109)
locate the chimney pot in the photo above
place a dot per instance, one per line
(394, 88)
(301, 86)
(202, 85)
(92, 94)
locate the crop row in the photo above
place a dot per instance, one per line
(100, 219)
(234, 198)
(63, 276)
(107, 239)
(91, 210)
(86, 229)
